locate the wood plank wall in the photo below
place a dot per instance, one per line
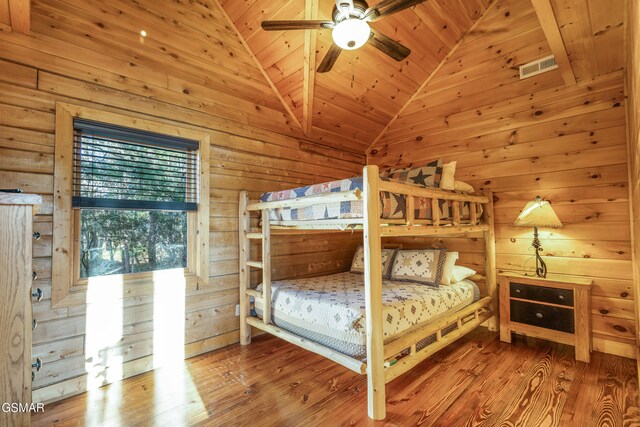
(64, 61)
(633, 111)
(523, 138)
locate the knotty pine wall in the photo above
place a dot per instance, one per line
(59, 62)
(633, 111)
(523, 138)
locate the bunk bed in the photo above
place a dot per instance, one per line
(408, 348)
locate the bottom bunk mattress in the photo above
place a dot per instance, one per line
(392, 206)
(330, 310)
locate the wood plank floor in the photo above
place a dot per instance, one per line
(477, 381)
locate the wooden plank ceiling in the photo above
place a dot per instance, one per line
(351, 104)
(15, 15)
(214, 55)
(473, 80)
(484, 70)
(368, 99)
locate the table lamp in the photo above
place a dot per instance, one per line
(538, 213)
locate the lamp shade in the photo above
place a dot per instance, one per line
(538, 213)
(350, 34)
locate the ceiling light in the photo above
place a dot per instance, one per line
(351, 34)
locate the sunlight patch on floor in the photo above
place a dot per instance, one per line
(175, 394)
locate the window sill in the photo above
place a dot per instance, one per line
(130, 279)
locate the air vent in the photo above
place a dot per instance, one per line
(540, 66)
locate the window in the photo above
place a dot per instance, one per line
(132, 197)
(134, 189)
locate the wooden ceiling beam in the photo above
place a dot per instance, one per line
(310, 45)
(431, 76)
(20, 12)
(549, 24)
(284, 103)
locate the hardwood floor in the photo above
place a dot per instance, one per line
(478, 381)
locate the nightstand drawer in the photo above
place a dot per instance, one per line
(544, 316)
(542, 294)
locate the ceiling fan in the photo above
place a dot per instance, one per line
(350, 28)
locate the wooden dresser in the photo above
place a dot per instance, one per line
(553, 308)
(16, 235)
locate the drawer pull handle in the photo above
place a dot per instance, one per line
(34, 324)
(34, 275)
(518, 291)
(38, 294)
(539, 315)
(37, 235)
(561, 297)
(37, 365)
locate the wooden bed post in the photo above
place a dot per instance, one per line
(244, 225)
(373, 294)
(490, 261)
(266, 265)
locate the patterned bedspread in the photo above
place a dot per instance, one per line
(393, 206)
(330, 310)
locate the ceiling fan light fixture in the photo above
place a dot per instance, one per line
(351, 33)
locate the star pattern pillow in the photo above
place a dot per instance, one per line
(357, 265)
(428, 175)
(419, 266)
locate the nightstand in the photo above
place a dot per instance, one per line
(552, 308)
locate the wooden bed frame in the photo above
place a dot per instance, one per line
(374, 228)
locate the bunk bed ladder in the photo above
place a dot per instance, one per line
(245, 236)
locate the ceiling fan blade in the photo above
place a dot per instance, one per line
(388, 7)
(330, 58)
(296, 25)
(389, 46)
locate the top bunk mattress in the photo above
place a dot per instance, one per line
(393, 206)
(330, 310)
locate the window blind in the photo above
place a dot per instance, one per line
(123, 168)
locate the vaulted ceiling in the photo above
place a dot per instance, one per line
(212, 57)
(350, 105)
(369, 99)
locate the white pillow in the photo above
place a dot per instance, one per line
(463, 186)
(447, 181)
(460, 273)
(447, 270)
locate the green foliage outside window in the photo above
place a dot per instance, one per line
(131, 241)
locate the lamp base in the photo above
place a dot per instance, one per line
(541, 267)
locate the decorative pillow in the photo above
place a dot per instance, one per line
(421, 266)
(464, 187)
(428, 175)
(460, 273)
(357, 265)
(448, 172)
(449, 263)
